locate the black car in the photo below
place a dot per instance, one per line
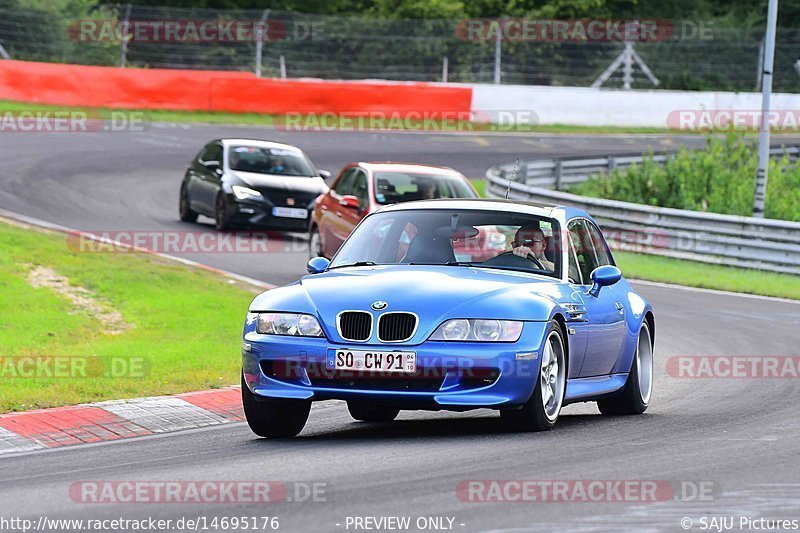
(251, 183)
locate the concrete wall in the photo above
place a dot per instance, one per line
(614, 107)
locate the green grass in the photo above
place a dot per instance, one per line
(720, 178)
(480, 186)
(696, 274)
(186, 323)
(276, 121)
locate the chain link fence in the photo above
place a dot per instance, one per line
(696, 55)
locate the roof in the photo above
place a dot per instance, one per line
(389, 166)
(258, 144)
(477, 203)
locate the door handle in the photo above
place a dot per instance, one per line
(576, 312)
(620, 308)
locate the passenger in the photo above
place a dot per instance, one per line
(529, 240)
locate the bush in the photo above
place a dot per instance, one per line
(719, 179)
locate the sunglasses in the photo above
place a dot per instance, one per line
(526, 242)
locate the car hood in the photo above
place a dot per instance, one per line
(434, 293)
(314, 185)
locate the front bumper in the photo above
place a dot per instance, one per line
(258, 213)
(450, 375)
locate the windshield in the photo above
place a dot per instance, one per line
(487, 239)
(280, 161)
(394, 187)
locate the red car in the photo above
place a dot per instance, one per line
(361, 188)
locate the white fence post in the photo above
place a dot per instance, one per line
(497, 60)
(260, 41)
(123, 46)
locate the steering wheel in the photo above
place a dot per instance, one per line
(530, 257)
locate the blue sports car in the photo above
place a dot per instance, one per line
(411, 314)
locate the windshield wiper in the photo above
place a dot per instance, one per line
(356, 264)
(447, 263)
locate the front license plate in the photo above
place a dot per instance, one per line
(371, 360)
(289, 212)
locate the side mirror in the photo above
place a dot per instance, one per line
(212, 165)
(325, 175)
(349, 201)
(317, 265)
(604, 276)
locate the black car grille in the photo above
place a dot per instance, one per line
(396, 327)
(355, 325)
(280, 198)
(408, 384)
(422, 380)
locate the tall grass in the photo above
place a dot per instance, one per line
(719, 179)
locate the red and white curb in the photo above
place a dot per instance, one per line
(117, 419)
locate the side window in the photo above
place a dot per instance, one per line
(360, 189)
(206, 153)
(344, 185)
(574, 269)
(584, 250)
(600, 245)
(216, 153)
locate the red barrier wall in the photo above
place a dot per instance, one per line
(110, 87)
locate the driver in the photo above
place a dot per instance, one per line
(276, 165)
(529, 240)
(427, 190)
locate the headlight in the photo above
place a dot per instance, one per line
(478, 330)
(288, 324)
(243, 193)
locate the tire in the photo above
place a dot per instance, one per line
(635, 396)
(221, 214)
(275, 418)
(539, 414)
(184, 210)
(314, 244)
(366, 412)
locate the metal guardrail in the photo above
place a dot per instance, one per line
(763, 244)
(560, 173)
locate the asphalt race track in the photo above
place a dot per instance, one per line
(130, 180)
(739, 436)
